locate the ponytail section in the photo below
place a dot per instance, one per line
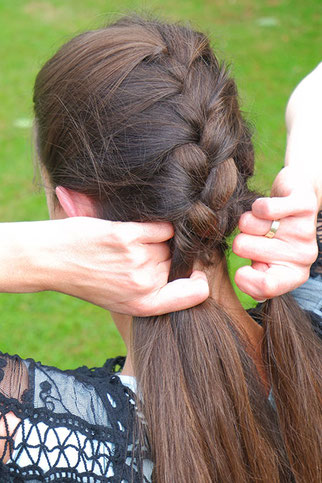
(207, 416)
(293, 355)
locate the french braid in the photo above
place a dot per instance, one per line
(143, 118)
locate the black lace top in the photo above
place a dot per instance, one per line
(74, 425)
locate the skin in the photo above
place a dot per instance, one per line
(303, 123)
(282, 264)
(72, 204)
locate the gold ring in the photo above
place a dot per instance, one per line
(273, 229)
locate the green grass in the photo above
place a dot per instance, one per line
(270, 45)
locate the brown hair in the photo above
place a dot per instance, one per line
(142, 117)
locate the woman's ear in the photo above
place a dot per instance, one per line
(74, 203)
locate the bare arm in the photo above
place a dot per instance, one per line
(122, 267)
(304, 130)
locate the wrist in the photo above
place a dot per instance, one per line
(304, 155)
(21, 269)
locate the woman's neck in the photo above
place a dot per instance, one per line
(222, 291)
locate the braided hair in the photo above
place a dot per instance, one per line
(143, 118)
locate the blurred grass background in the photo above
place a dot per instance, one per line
(270, 44)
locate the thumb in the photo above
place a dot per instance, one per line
(181, 294)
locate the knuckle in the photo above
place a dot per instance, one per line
(134, 259)
(125, 234)
(119, 236)
(140, 308)
(309, 254)
(307, 232)
(165, 251)
(263, 207)
(131, 260)
(312, 205)
(268, 287)
(301, 233)
(305, 274)
(244, 220)
(141, 282)
(238, 244)
(143, 257)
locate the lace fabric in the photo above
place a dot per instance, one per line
(67, 425)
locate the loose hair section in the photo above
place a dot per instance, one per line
(143, 118)
(196, 362)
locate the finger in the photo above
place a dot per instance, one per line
(261, 249)
(181, 294)
(292, 181)
(152, 232)
(250, 224)
(275, 281)
(261, 267)
(164, 268)
(292, 227)
(280, 207)
(156, 252)
(265, 250)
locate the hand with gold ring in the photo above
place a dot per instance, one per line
(279, 236)
(273, 229)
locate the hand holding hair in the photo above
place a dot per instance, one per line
(122, 267)
(282, 263)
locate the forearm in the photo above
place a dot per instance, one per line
(304, 153)
(303, 122)
(19, 268)
(123, 267)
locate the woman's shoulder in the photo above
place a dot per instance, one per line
(86, 393)
(73, 421)
(309, 298)
(309, 295)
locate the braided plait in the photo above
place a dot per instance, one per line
(211, 163)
